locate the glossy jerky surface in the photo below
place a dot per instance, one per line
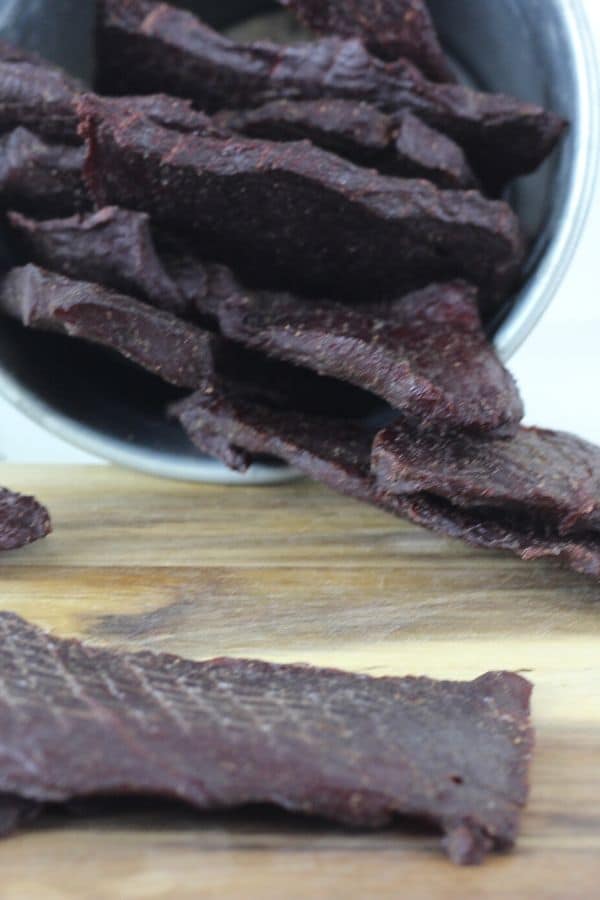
(406, 147)
(176, 351)
(22, 521)
(145, 47)
(39, 177)
(389, 28)
(224, 733)
(257, 202)
(433, 363)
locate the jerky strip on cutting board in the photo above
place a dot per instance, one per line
(37, 95)
(405, 147)
(258, 202)
(145, 47)
(41, 178)
(348, 747)
(537, 494)
(176, 351)
(433, 363)
(22, 520)
(390, 29)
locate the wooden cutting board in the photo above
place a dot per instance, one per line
(293, 574)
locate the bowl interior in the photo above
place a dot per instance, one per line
(524, 47)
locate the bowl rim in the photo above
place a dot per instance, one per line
(536, 297)
(539, 291)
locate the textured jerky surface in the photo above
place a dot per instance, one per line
(258, 201)
(389, 28)
(145, 47)
(41, 178)
(176, 351)
(223, 733)
(433, 363)
(36, 95)
(113, 247)
(22, 520)
(225, 420)
(537, 494)
(405, 147)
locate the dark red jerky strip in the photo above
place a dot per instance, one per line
(535, 495)
(145, 47)
(22, 520)
(176, 351)
(41, 178)
(36, 95)
(113, 247)
(549, 474)
(359, 132)
(224, 421)
(258, 203)
(350, 748)
(433, 363)
(390, 29)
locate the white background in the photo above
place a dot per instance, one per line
(558, 367)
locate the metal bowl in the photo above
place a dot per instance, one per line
(539, 50)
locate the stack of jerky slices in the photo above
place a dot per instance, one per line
(305, 240)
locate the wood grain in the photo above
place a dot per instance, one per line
(296, 574)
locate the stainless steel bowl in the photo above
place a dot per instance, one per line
(539, 50)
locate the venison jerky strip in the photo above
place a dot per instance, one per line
(22, 520)
(41, 178)
(145, 47)
(534, 495)
(433, 363)
(113, 247)
(389, 29)
(224, 421)
(348, 747)
(547, 476)
(258, 202)
(36, 95)
(407, 148)
(176, 351)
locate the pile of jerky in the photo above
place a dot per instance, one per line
(307, 238)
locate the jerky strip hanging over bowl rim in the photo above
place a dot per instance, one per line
(258, 201)
(147, 46)
(456, 753)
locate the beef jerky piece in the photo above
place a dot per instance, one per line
(433, 364)
(16, 812)
(257, 202)
(535, 496)
(224, 733)
(22, 520)
(545, 476)
(176, 351)
(407, 148)
(390, 29)
(41, 178)
(37, 95)
(145, 46)
(171, 112)
(227, 421)
(113, 247)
